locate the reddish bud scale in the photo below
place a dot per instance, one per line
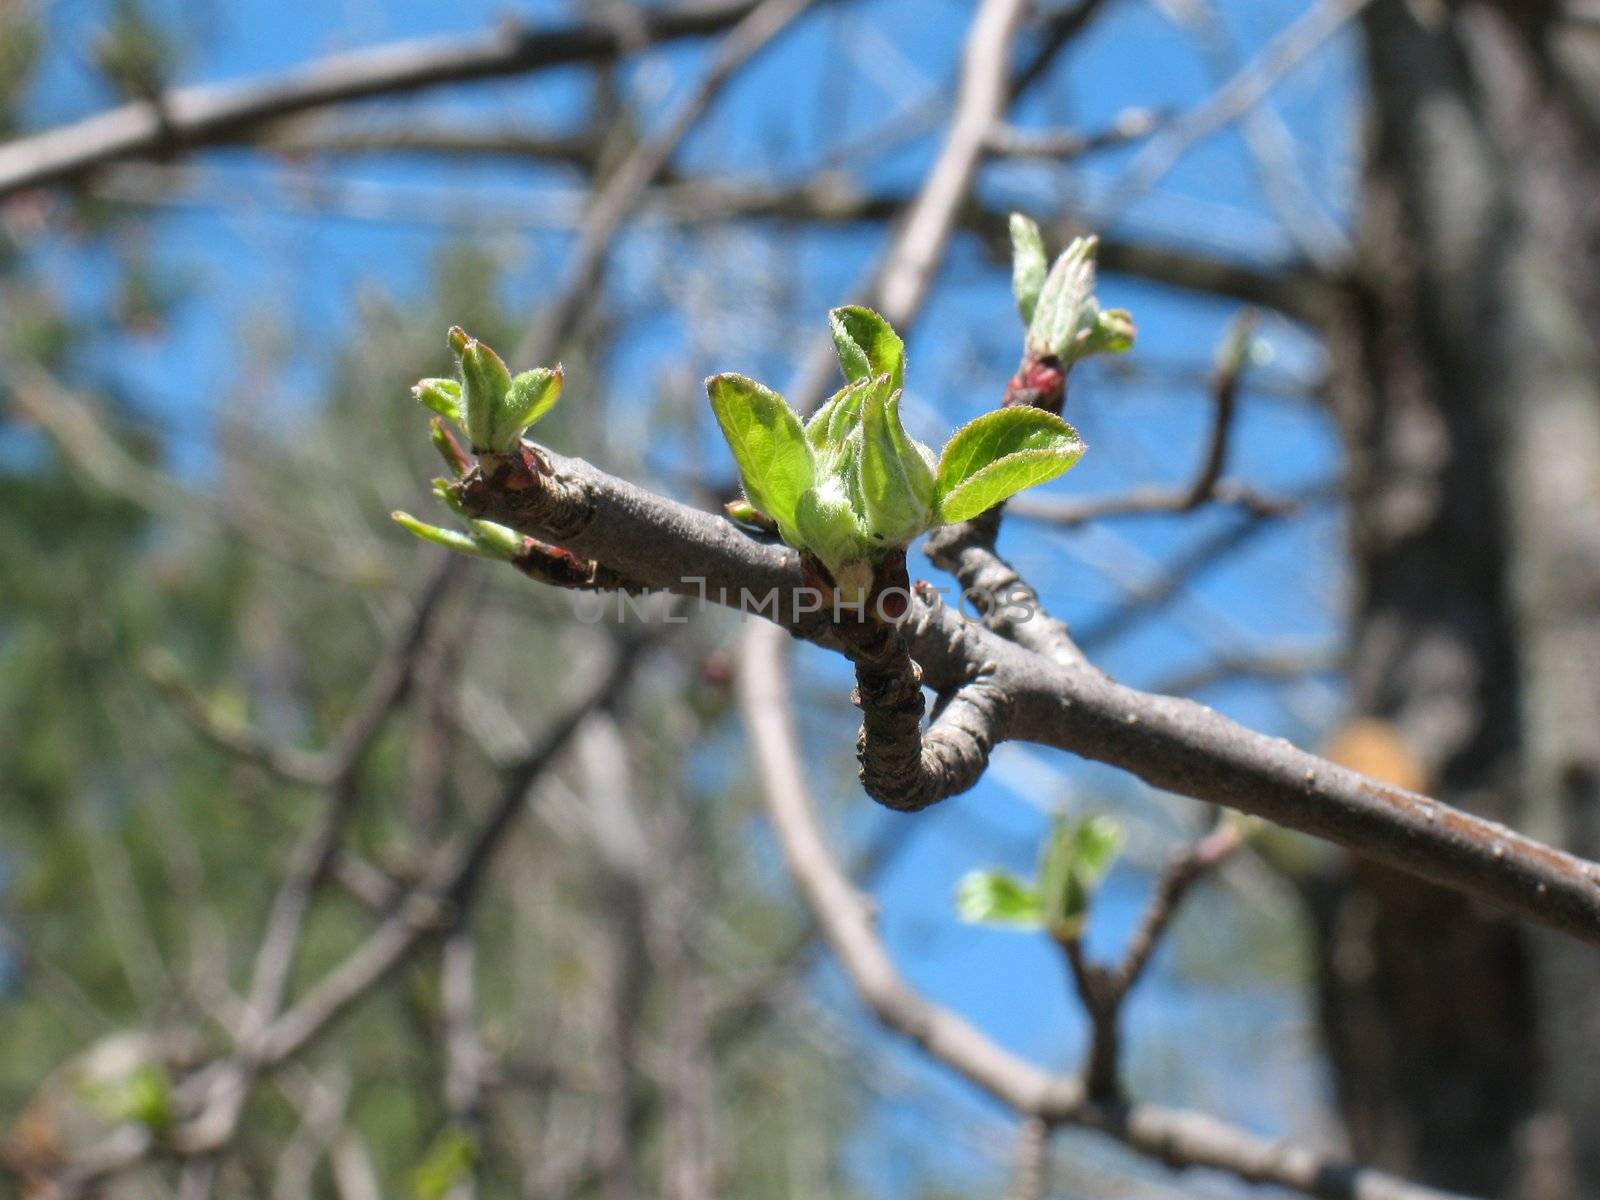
(1038, 383)
(553, 564)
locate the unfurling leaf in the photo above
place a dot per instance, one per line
(143, 1094)
(487, 540)
(441, 395)
(452, 1154)
(829, 429)
(867, 346)
(1066, 301)
(1076, 859)
(828, 526)
(894, 471)
(997, 455)
(485, 382)
(1063, 316)
(1029, 264)
(998, 898)
(533, 393)
(768, 444)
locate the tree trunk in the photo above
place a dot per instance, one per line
(1466, 1049)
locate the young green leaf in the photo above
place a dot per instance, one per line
(828, 525)
(533, 393)
(1066, 305)
(447, 1162)
(441, 395)
(867, 345)
(998, 898)
(1112, 333)
(1076, 859)
(1028, 264)
(484, 384)
(831, 425)
(998, 454)
(450, 539)
(768, 444)
(896, 480)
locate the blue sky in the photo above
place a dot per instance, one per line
(1236, 1044)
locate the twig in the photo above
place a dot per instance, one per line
(426, 911)
(1207, 484)
(383, 692)
(1071, 511)
(1172, 744)
(1064, 145)
(623, 192)
(1234, 98)
(1103, 990)
(1033, 1159)
(207, 115)
(1232, 358)
(903, 766)
(1179, 1139)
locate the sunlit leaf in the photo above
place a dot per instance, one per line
(768, 444)
(998, 898)
(867, 345)
(997, 455)
(1028, 264)
(897, 482)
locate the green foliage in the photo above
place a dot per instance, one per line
(999, 898)
(494, 408)
(1063, 318)
(140, 860)
(851, 485)
(999, 454)
(1076, 857)
(143, 1095)
(768, 443)
(449, 1158)
(1029, 264)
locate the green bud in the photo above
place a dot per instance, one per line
(830, 426)
(1067, 322)
(455, 459)
(485, 385)
(448, 538)
(1076, 859)
(895, 474)
(830, 528)
(533, 393)
(441, 395)
(1028, 264)
(867, 345)
(1066, 306)
(498, 541)
(1113, 333)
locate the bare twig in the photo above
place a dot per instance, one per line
(198, 116)
(383, 692)
(1063, 145)
(623, 192)
(1236, 97)
(1179, 1139)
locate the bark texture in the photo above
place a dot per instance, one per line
(1466, 1050)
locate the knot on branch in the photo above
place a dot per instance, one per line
(902, 766)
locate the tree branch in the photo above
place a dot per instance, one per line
(205, 115)
(1170, 743)
(1177, 1138)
